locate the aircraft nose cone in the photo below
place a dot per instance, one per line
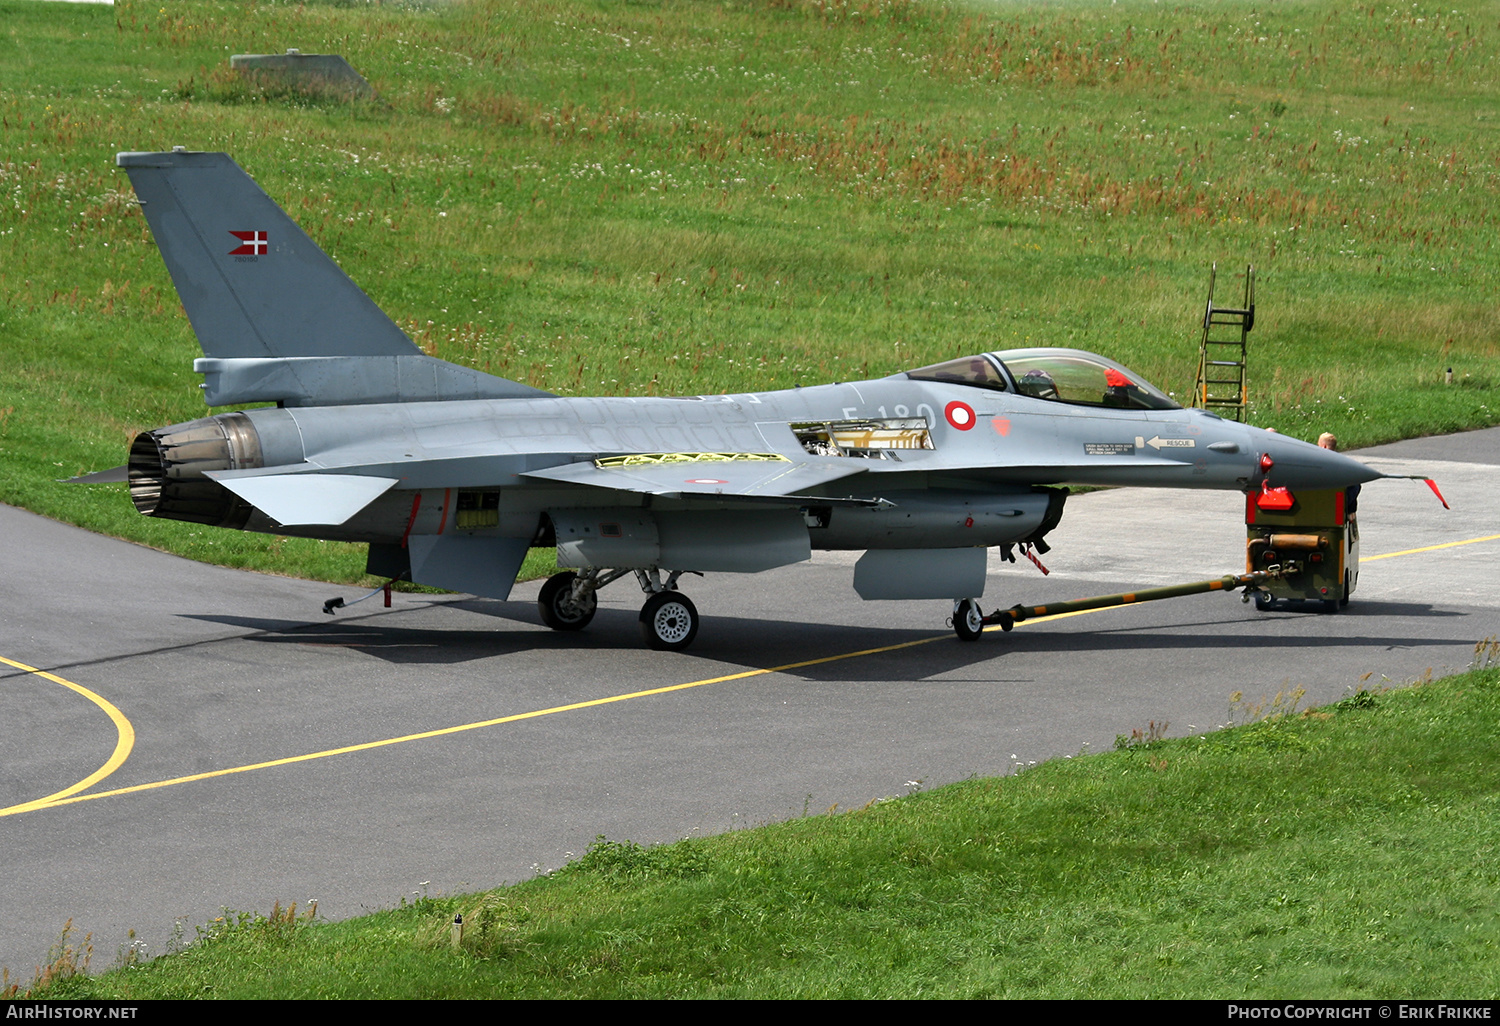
(1298, 464)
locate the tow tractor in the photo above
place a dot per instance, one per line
(1318, 532)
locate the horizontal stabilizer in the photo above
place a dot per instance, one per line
(114, 475)
(291, 499)
(718, 476)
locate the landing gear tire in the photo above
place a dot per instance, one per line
(968, 621)
(669, 621)
(559, 610)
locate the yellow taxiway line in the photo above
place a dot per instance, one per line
(70, 795)
(1428, 548)
(124, 741)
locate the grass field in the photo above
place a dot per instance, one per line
(687, 196)
(1348, 852)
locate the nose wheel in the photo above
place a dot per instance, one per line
(669, 621)
(968, 620)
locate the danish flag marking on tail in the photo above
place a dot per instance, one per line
(252, 244)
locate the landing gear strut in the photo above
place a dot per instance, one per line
(669, 620)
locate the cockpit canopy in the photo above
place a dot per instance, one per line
(1061, 375)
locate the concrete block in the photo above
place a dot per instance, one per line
(314, 72)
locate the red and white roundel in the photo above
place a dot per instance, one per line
(705, 480)
(959, 414)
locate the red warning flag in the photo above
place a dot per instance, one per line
(1433, 485)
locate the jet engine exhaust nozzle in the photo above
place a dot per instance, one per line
(166, 470)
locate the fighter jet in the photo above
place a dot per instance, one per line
(450, 475)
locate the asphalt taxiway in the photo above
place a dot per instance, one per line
(180, 738)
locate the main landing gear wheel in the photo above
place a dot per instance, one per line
(968, 621)
(669, 621)
(558, 608)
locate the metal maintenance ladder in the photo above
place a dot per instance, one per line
(1222, 385)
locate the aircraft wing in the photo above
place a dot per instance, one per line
(757, 477)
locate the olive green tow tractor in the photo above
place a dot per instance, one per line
(1317, 528)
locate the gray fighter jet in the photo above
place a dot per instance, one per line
(451, 475)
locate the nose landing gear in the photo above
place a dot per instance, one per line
(968, 620)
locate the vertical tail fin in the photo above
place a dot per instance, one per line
(277, 319)
(252, 282)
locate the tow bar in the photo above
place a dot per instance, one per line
(969, 626)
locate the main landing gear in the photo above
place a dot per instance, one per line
(669, 620)
(564, 605)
